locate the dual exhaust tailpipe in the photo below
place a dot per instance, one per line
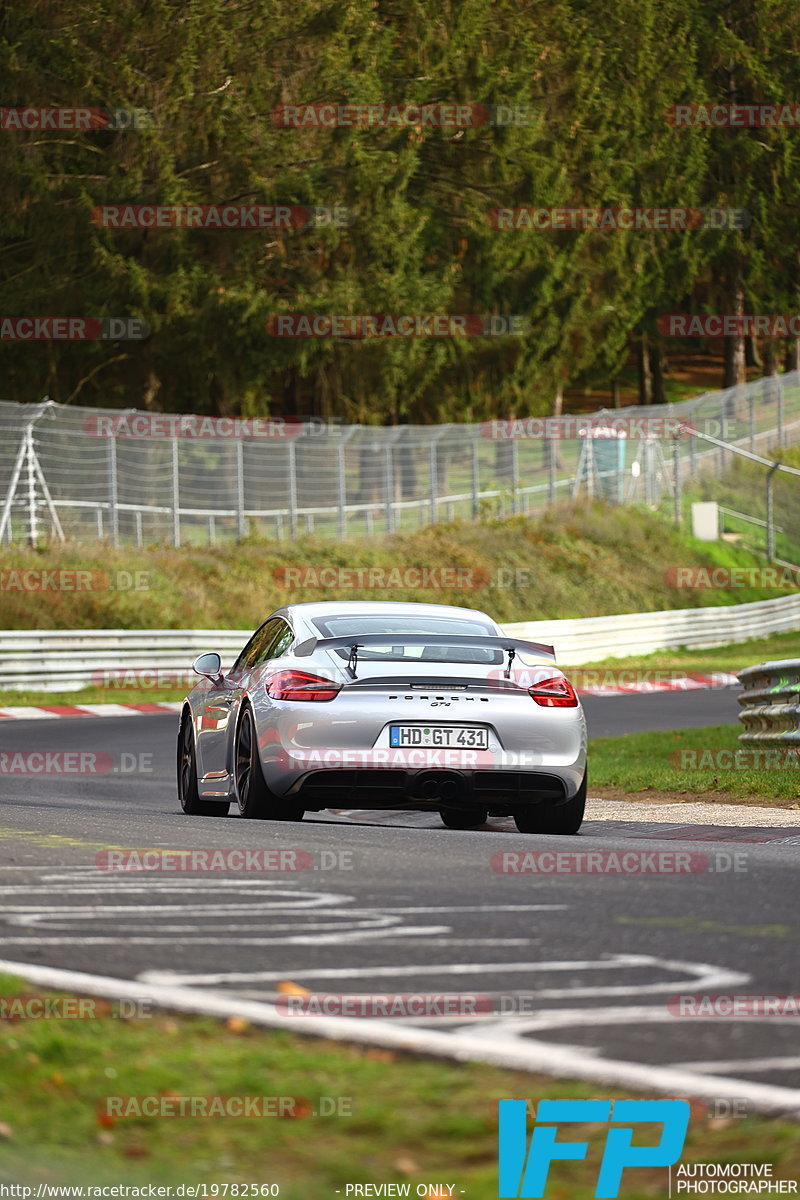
(446, 786)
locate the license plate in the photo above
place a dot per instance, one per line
(460, 737)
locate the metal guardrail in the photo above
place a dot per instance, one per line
(590, 639)
(67, 660)
(770, 703)
(64, 660)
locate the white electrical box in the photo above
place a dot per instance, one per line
(705, 521)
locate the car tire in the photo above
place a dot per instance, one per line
(190, 800)
(254, 799)
(463, 818)
(546, 818)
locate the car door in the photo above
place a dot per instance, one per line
(262, 664)
(220, 708)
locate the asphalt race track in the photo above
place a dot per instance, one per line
(578, 972)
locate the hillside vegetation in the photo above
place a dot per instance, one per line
(575, 560)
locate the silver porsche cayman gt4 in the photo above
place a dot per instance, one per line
(376, 705)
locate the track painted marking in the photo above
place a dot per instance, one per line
(783, 1063)
(513, 1053)
(701, 974)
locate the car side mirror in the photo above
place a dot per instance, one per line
(208, 665)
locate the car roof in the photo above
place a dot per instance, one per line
(353, 608)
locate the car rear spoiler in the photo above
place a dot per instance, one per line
(355, 641)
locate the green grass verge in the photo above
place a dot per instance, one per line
(692, 764)
(97, 695)
(573, 560)
(727, 659)
(410, 1120)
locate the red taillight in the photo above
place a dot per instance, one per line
(299, 685)
(554, 693)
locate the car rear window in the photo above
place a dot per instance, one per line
(344, 625)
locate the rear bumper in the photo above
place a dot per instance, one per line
(498, 791)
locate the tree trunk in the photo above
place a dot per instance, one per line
(752, 357)
(553, 445)
(405, 458)
(645, 378)
(657, 372)
(735, 374)
(503, 458)
(793, 355)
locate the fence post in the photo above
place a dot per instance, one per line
(241, 523)
(5, 519)
(551, 471)
(292, 449)
(176, 496)
(112, 492)
(514, 476)
(389, 458)
(29, 457)
(433, 468)
(780, 409)
(341, 489)
(676, 480)
(475, 479)
(770, 520)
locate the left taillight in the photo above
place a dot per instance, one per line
(300, 685)
(554, 693)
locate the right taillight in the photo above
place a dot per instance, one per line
(554, 693)
(300, 685)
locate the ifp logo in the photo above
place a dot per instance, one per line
(523, 1170)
